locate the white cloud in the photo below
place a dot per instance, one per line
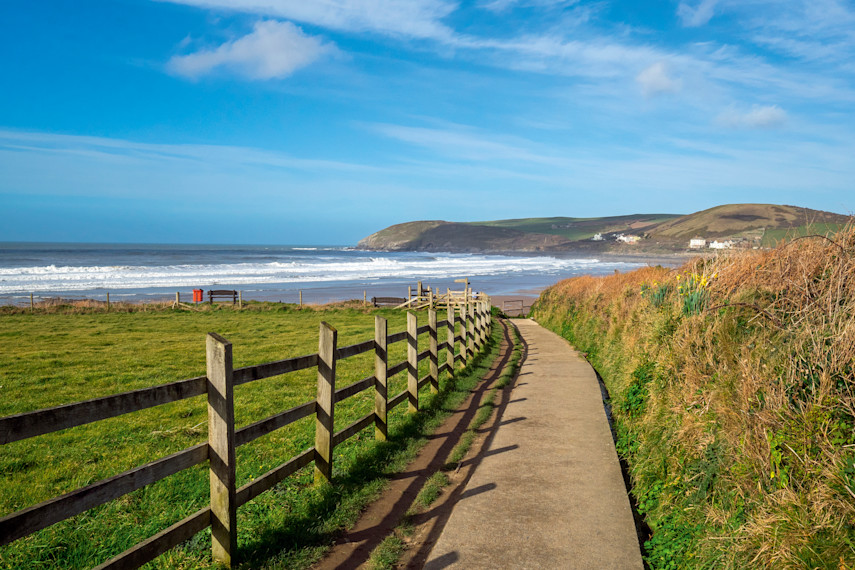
(700, 15)
(654, 80)
(272, 50)
(759, 117)
(412, 18)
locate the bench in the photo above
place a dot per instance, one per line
(394, 301)
(222, 294)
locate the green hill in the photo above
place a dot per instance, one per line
(749, 221)
(749, 224)
(575, 229)
(451, 236)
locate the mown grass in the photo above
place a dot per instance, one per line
(736, 416)
(60, 356)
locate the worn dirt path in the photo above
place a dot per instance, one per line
(544, 490)
(379, 520)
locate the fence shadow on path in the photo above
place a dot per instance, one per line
(442, 510)
(354, 547)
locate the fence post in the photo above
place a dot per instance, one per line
(471, 335)
(325, 408)
(451, 330)
(464, 332)
(412, 362)
(483, 323)
(434, 351)
(477, 319)
(381, 387)
(221, 449)
(488, 316)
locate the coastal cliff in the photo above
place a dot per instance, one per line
(450, 236)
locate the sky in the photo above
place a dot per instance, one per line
(320, 122)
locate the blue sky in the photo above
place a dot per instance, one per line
(295, 121)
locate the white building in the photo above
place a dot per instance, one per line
(627, 239)
(597, 237)
(697, 243)
(715, 244)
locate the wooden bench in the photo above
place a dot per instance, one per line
(222, 294)
(394, 301)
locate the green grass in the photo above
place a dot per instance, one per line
(772, 238)
(60, 357)
(737, 421)
(575, 228)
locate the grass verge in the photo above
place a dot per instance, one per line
(733, 395)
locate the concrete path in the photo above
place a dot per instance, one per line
(548, 491)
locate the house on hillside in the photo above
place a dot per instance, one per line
(627, 238)
(727, 244)
(597, 237)
(697, 243)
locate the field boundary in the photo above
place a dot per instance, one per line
(473, 321)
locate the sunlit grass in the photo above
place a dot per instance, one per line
(60, 357)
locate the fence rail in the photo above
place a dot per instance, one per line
(472, 320)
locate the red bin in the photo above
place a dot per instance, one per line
(197, 296)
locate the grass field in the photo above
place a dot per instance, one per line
(772, 238)
(576, 228)
(60, 357)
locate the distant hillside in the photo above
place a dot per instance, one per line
(747, 220)
(451, 236)
(582, 228)
(749, 224)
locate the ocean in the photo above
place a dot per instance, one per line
(134, 272)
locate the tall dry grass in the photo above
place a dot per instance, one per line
(738, 419)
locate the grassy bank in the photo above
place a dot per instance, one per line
(733, 392)
(61, 355)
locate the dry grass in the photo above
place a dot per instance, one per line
(753, 399)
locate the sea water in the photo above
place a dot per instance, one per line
(267, 272)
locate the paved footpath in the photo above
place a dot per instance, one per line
(548, 492)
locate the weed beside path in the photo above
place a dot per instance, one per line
(733, 394)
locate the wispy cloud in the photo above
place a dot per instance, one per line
(409, 18)
(503, 5)
(466, 143)
(758, 117)
(655, 80)
(117, 150)
(698, 15)
(272, 50)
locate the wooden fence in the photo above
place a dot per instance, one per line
(223, 437)
(428, 298)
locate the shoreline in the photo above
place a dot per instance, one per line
(513, 282)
